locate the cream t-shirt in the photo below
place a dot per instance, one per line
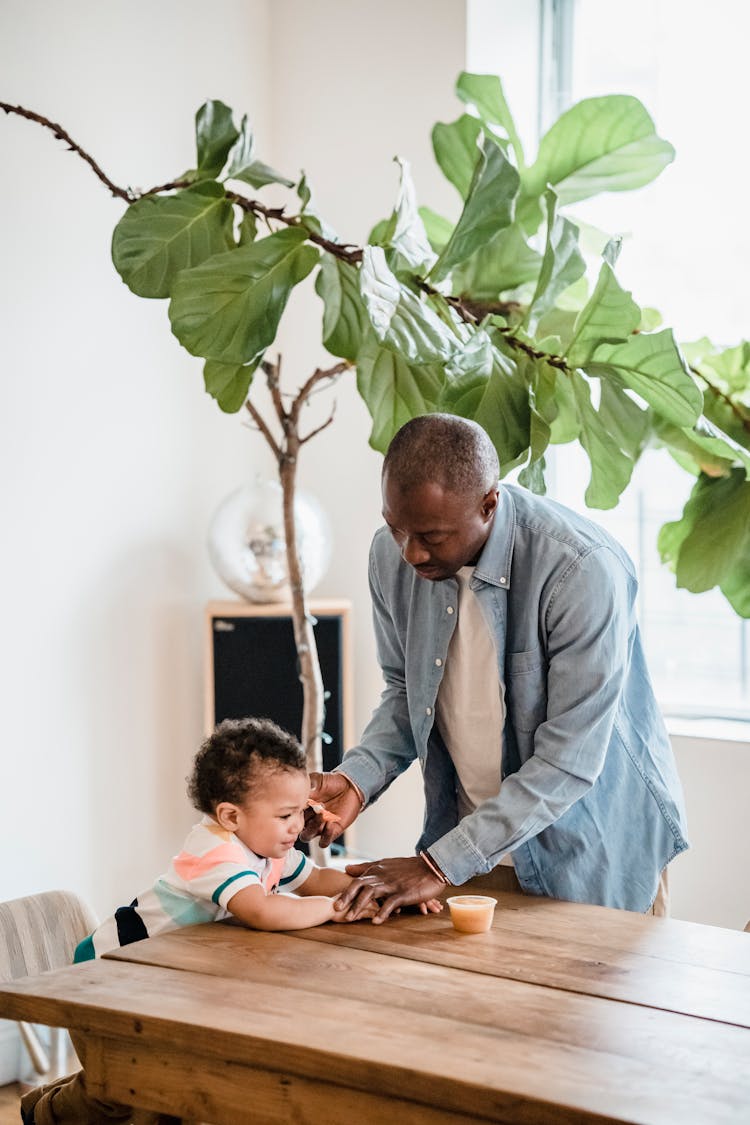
(470, 706)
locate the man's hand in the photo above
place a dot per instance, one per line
(339, 796)
(396, 882)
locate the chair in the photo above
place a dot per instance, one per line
(38, 933)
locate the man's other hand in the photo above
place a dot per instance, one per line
(339, 796)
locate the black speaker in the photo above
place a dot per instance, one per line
(252, 668)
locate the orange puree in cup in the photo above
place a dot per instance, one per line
(472, 914)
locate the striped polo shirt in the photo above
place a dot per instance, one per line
(211, 868)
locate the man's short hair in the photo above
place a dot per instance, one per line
(234, 761)
(443, 449)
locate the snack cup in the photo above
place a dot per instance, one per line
(472, 914)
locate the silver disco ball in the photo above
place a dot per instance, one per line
(246, 542)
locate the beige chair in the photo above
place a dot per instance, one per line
(38, 933)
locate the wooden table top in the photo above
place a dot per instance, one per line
(561, 1013)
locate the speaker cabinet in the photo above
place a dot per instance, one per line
(251, 667)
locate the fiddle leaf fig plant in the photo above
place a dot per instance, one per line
(499, 315)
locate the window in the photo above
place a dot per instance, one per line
(685, 249)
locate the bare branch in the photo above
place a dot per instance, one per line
(346, 251)
(318, 429)
(273, 374)
(264, 429)
(470, 311)
(317, 376)
(62, 135)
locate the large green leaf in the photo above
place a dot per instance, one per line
(404, 232)
(556, 402)
(611, 469)
(499, 402)
(627, 422)
(544, 411)
(712, 450)
(600, 144)
(610, 315)
(160, 235)
(344, 315)
(732, 365)
(215, 133)
(394, 391)
(562, 263)
(241, 163)
(488, 207)
(713, 537)
(456, 150)
(502, 263)
(651, 365)
(485, 93)
(736, 585)
(229, 383)
(229, 308)
(475, 356)
(401, 321)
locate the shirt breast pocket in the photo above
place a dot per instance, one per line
(526, 688)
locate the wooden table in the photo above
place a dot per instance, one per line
(562, 1013)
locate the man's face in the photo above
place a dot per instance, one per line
(437, 531)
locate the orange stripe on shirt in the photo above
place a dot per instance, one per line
(190, 866)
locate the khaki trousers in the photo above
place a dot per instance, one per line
(68, 1102)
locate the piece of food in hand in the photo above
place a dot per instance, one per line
(322, 811)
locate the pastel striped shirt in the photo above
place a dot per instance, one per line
(211, 868)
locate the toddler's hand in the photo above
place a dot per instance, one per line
(369, 912)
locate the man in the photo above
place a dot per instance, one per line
(507, 636)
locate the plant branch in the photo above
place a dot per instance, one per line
(62, 135)
(264, 429)
(346, 251)
(273, 373)
(317, 376)
(318, 429)
(735, 407)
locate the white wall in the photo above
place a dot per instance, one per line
(112, 457)
(711, 882)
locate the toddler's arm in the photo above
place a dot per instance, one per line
(254, 908)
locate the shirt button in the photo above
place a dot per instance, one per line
(449, 609)
(503, 581)
(438, 663)
(428, 711)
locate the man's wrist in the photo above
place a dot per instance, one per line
(430, 862)
(356, 788)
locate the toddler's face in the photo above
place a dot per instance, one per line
(270, 820)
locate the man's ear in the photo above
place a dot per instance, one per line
(489, 502)
(227, 815)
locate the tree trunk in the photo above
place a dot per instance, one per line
(304, 637)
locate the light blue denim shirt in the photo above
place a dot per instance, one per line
(590, 803)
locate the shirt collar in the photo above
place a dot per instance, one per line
(494, 564)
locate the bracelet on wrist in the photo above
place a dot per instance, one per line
(426, 858)
(357, 790)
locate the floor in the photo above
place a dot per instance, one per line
(9, 1112)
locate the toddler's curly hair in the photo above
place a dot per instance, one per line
(233, 761)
